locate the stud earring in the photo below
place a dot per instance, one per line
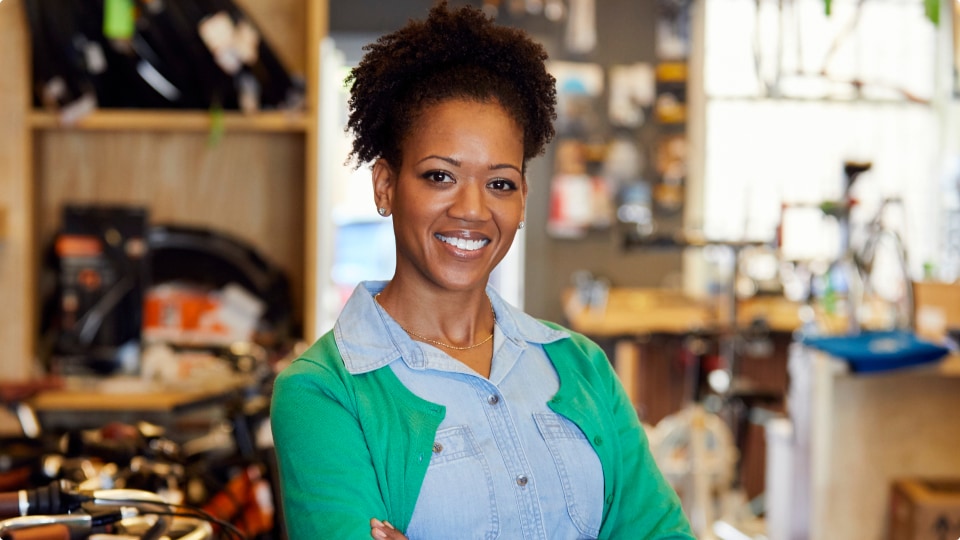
(382, 211)
(520, 225)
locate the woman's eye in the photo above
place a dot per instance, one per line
(501, 184)
(438, 176)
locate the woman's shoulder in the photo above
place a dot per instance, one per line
(582, 365)
(319, 364)
(578, 354)
(576, 344)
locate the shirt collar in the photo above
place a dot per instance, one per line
(368, 338)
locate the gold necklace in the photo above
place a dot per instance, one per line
(376, 298)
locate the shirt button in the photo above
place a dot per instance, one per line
(597, 440)
(437, 448)
(522, 480)
(493, 399)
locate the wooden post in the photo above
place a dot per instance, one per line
(18, 253)
(626, 362)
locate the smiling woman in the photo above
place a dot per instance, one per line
(435, 409)
(457, 198)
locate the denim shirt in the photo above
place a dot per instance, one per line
(503, 464)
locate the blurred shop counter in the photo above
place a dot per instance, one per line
(850, 437)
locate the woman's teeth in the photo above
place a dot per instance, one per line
(463, 243)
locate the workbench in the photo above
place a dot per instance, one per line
(652, 333)
(633, 314)
(95, 402)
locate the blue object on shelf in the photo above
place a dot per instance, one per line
(879, 351)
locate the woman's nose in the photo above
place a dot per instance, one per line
(470, 202)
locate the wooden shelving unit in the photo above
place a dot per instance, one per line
(256, 181)
(176, 121)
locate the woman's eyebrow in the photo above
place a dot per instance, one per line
(458, 163)
(449, 160)
(504, 166)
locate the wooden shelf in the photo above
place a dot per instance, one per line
(174, 121)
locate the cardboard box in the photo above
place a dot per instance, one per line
(925, 509)
(937, 308)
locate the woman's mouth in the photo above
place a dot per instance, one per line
(464, 244)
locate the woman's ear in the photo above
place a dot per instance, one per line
(384, 183)
(523, 197)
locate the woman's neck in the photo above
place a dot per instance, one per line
(459, 323)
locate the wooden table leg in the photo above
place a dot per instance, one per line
(626, 362)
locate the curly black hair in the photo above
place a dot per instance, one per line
(452, 54)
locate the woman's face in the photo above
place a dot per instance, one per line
(459, 194)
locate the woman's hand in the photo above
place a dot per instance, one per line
(384, 530)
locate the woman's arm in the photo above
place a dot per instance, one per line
(329, 486)
(650, 508)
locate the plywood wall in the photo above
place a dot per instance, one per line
(248, 185)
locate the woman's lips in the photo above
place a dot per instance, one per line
(465, 244)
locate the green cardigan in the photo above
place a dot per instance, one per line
(353, 447)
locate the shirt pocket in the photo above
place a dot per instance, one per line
(579, 469)
(457, 492)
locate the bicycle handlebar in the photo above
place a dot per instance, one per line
(55, 498)
(11, 505)
(9, 525)
(53, 508)
(41, 532)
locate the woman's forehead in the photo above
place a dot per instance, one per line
(467, 128)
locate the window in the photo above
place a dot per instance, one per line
(792, 93)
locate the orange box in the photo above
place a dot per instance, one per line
(925, 509)
(182, 315)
